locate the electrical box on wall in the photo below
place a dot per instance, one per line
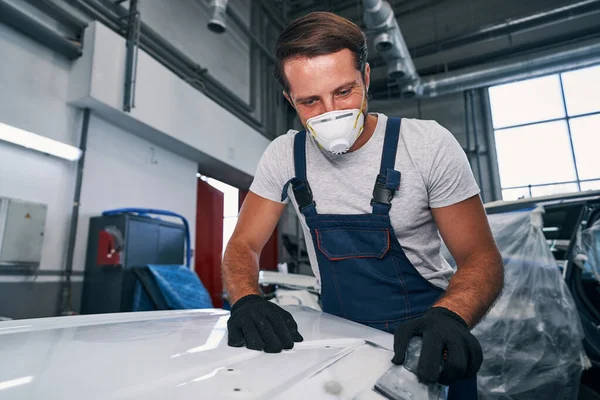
(21, 232)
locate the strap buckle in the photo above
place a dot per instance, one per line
(381, 194)
(303, 194)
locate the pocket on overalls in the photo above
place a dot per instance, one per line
(341, 244)
(358, 275)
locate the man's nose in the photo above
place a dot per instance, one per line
(328, 105)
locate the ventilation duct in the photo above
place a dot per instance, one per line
(532, 66)
(390, 43)
(218, 12)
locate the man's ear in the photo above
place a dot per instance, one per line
(287, 97)
(367, 76)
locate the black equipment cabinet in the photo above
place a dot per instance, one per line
(137, 241)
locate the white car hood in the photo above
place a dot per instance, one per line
(184, 355)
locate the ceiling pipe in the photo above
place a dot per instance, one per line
(389, 42)
(59, 14)
(510, 27)
(218, 19)
(513, 70)
(36, 30)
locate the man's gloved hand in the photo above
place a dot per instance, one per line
(261, 325)
(449, 353)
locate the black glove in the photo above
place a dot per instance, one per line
(449, 353)
(261, 325)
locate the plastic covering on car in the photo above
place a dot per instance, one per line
(532, 336)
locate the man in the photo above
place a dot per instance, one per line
(372, 192)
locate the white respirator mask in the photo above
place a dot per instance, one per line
(336, 131)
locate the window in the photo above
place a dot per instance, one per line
(547, 134)
(586, 143)
(582, 90)
(526, 101)
(534, 153)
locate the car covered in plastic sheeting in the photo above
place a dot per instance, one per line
(542, 334)
(532, 338)
(184, 355)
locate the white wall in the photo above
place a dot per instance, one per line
(33, 95)
(168, 111)
(183, 24)
(123, 170)
(34, 88)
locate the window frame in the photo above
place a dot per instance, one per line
(567, 118)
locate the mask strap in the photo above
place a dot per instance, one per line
(362, 103)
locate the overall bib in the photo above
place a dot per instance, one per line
(365, 275)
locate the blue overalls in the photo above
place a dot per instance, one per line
(365, 275)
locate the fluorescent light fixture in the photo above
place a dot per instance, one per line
(37, 142)
(15, 382)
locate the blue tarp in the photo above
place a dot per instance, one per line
(179, 286)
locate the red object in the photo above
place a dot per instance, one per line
(108, 254)
(209, 240)
(270, 253)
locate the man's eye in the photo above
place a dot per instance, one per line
(344, 92)
(309, 102)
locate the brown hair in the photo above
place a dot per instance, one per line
(317, 34)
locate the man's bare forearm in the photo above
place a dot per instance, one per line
(240, 271)
(475, 286)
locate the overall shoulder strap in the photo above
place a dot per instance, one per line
(300, 155)
(388, 180)
(390, 145)
(300, 186)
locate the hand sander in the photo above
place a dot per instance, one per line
(400, 382)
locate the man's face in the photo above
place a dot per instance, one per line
(324, 83)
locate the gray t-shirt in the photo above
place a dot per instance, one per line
(435, 173)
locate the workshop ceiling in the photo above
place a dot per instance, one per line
(449, 35)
